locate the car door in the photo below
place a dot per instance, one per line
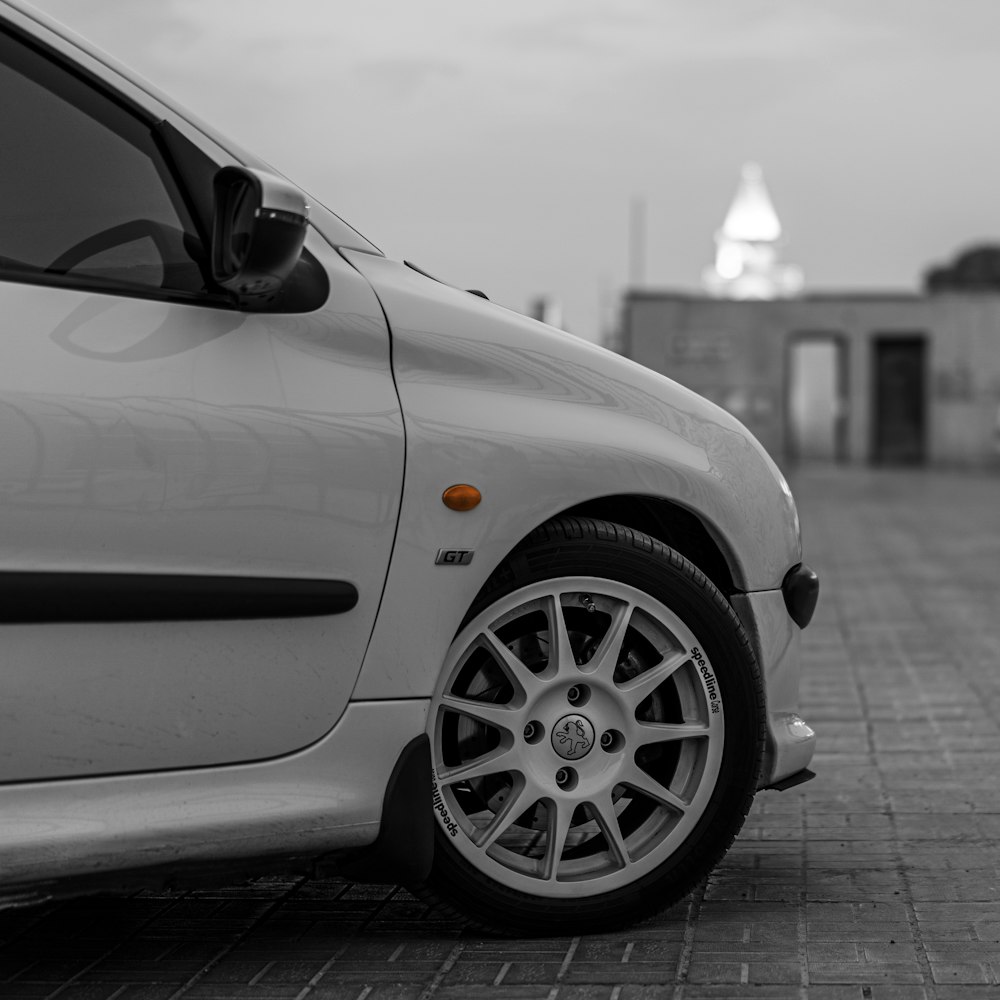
(197, 504)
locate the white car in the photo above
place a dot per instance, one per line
(310, 561)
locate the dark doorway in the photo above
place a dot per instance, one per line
(899, 411)
(817, 394)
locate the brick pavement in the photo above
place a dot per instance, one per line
(880, 880)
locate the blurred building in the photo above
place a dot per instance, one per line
(546, 309)
(889, 378)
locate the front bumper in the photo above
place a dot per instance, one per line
(777, 642)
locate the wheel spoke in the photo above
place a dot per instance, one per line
(559, 815)
(645, 733)
(494, 762)
(639, 688)
(501, 717)
(522, 796)
(515, 670)
(604, 813)
(560, 649)
(636, 779)
(608, 653)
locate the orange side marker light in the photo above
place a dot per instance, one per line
(462, 496)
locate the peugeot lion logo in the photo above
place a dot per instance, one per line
(572, 737)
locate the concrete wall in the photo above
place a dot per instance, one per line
(738, 355)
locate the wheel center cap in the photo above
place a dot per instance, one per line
(572, 737)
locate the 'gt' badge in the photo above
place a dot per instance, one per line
(453, 557)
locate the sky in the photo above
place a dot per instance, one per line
(500, 145)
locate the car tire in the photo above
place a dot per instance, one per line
(596, 735)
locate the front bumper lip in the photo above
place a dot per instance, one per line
(800, 588)
(793, 780)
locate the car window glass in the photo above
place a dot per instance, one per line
(138, 260)
(85, 194)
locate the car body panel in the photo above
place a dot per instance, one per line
(148, 437)
(290, 805)
(778, 645)
(153, 438)
(539, 420)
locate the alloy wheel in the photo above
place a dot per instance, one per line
(577, 736)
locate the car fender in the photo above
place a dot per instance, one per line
(539, 421)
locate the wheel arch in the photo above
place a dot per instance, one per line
(669, 523)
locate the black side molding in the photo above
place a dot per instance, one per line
(30, 598)
(404, 848)
(800, 589)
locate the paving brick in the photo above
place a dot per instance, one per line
(961, 972)
(851, 972)
(146, 991)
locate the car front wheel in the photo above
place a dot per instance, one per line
(596, 734)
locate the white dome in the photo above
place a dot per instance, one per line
(751, 217)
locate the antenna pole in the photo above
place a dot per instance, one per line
(637, 242)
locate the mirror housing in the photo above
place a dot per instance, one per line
(257, 234)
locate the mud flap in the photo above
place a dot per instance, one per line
(404, 849)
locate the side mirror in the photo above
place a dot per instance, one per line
(257, 234)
